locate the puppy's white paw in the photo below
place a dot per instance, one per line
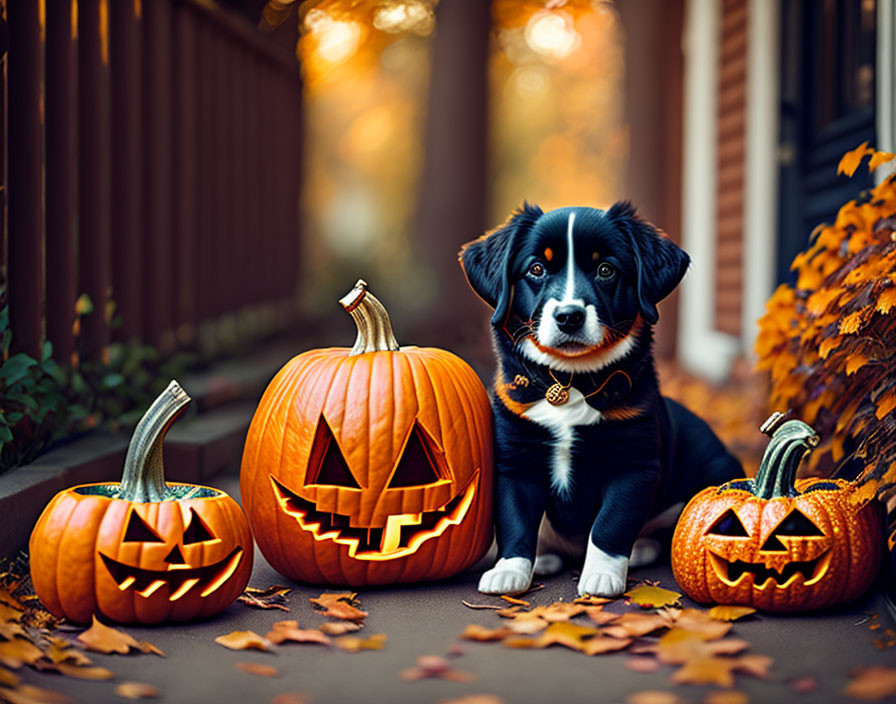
(603, 573)
(548, 564)
(644, 552)
(510, 575)
(601, 584)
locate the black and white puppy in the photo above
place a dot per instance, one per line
(582, 435)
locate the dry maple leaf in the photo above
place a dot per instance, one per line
(730, 613)
(679, 651)
(604, 644)
(291, 698)
(8, 613)
(257, 668)
(61, 650)
(17, 652)
(29, 694)
(7, 678)
(561, 611)
(436, 667)
(599, 616)
(105, 639)
(338, 628)
(700, 622)
(274, 597)
(342, 606)
(635, 625)
(754, 664)
(642, 664)
(876, 682)
(879, 158)
(243, 640)
(354, 644)
(137, 690)
(720, 671)
(90, 672)
(480, 633)
(726, 696)
(290, 631)
(850, 161)
(569, 635)
(654, 696)
(148, 647)
(652, 596)
(803, 684)
(706, 670)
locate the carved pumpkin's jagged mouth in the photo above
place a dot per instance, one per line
(732, 573)
(402, 535)
(180, 579)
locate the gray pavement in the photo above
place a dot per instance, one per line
(426, 619)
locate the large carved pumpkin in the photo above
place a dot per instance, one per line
(371, 465)
(775, 543)
(141, 550)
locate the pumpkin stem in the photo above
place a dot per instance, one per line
(374, 327)
(790, 443)
(144, 474)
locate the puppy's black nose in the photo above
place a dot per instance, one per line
(569, 317)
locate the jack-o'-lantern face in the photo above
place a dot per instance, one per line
(333, 505)
(142, 550)
(767, 551)
(371, 465)
(183, 560)
(774, 542)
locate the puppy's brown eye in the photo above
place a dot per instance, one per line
(605, 271)
(536, 270)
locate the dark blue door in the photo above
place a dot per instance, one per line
(827, 108)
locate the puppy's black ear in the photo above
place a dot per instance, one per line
(487, 260)
(660, 263)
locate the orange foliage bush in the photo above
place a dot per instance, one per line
(829, 343)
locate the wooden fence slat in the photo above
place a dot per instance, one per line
(60, 171)
(25, 262)
(128, 279)
(204, 265)
(186, 197)
(93, 169)
(219, 208)
(158, 304)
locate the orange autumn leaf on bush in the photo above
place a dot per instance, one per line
(829, 342)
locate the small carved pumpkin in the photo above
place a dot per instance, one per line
(775, 543)
(141, 550)
(371, 465)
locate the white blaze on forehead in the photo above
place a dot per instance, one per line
(570, 262)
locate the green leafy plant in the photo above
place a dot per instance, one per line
(42, 402)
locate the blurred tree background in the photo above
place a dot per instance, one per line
(427, 123)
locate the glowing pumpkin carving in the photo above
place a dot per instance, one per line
(371, 465)
(141, 550)
(775, 543)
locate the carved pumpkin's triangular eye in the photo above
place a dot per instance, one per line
(417, 465)
(138, 532)
(327, 463)
(728, 524)
(197, 531)
(795, 525)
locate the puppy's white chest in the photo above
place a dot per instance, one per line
(575, 411)
(561, 421)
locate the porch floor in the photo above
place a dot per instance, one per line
(427, 618)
